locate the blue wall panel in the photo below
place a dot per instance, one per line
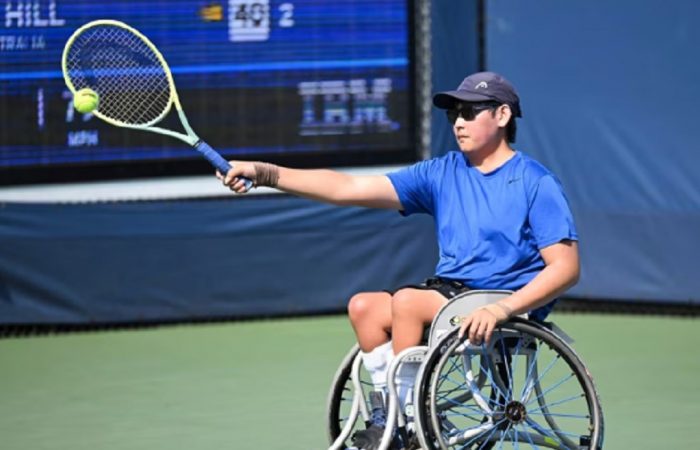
(610, 97)
(187, 260)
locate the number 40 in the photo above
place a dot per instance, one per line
(256, 13)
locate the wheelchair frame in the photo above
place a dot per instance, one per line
(508, 416)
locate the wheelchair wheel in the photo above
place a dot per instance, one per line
(526, 390)
(340, 399)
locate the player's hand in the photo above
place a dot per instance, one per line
(233, 179)
(479, 325)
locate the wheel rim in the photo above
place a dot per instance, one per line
(341, 397)
(540, 397)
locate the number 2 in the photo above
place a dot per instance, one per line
(287, 10)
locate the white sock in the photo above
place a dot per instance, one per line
(377, 364)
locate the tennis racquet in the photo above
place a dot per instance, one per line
(134, 83)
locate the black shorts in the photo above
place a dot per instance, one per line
(446, 287)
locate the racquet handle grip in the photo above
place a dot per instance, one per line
(218, 161)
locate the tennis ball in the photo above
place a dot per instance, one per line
(86, 100)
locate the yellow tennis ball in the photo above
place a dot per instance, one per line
(86, 100)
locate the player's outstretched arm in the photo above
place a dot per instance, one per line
(324, 185)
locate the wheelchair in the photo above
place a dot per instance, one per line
(526, 389)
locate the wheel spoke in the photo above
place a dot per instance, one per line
(473, 404)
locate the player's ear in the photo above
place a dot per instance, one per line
(503, 114)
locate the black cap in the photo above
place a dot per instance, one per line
(481, 87)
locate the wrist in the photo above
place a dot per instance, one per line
(498, 311)
(266, 174)
(505, 308)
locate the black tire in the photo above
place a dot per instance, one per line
(561, 410)
(341, 395)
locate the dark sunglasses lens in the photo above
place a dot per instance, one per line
(467, 113)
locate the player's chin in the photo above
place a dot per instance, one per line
(466, 146)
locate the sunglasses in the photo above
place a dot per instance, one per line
(468, 111)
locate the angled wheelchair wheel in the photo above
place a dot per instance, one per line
(526, 390)
(345, 417)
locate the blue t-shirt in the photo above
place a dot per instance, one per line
(490, 227)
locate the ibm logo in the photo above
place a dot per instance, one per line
(345, 107)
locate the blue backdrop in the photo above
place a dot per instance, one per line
(609, 95)
(186, 260)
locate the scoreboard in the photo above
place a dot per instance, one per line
(304, 82)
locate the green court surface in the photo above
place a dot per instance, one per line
(263, 384)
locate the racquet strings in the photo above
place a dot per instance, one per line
(127, 74)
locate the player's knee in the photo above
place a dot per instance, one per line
(359, 308)
(403, 304)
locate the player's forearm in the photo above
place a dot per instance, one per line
(317, 184)
(550, 283)
(324, 185)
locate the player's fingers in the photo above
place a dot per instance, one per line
(225, 173)
(239, 186)
(464, 326)
(231, 184)
(480, 330)
(473, 331)
(233, 173)
(229, 178)
(489, 332)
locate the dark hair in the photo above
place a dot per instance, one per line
(511, 130)
(511, 127)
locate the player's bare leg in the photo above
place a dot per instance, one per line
(412, 310)
(370, 316)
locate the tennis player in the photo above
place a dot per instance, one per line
(502, 220)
